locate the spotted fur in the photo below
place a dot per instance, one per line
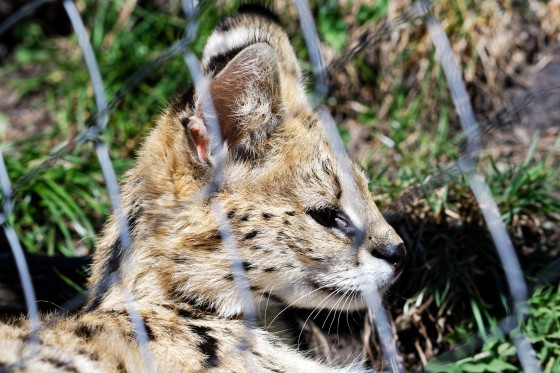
(305, 238)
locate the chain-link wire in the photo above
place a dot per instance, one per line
(21, 264)
(465, 165)
(226, 234)
(369, 38)
(370, 295)
(21, 13)
(111, 182)
(481, 191)
(91, 132)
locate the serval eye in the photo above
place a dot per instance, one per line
(326, 216)
(330, 217)
(344, 224)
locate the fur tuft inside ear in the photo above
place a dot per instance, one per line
(247, 100)
(199, 135)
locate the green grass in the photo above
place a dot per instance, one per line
(65, 206)
(541, 327)
(454, 280)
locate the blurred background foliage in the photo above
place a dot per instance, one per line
(395, 114)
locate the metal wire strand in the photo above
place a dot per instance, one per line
(314, 47)
(505, 116)
(488, 206)
(92, 130)
(23, 269)
(110, 179)
(22, 12)
(98, 122)
(371, 296)
(228, 239)
(370, 38)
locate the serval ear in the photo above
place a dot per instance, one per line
(247, 102)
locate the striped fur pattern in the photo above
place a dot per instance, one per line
(287, 205)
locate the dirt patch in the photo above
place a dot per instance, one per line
(22, 117)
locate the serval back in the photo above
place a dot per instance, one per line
(291, 215)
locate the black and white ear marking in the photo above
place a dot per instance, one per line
(251, 25)
(247, 101)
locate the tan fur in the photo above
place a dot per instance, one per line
(279, 171)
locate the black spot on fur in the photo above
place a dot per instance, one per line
(86, 331)
(110, 275)
(216, 235)
(186, 314)
(149, 332)
(248, 266)
(291, 213)
(324, 288)
(250, 235)
(254, 288)
(223, 27)
(228, 277)
(207, 345)
(244, 217)
(271, 269)
(120, 313)
(267, 216)
(273, 297)
(231, 214)
(326, 167)
(61, 365)
(90, 355)
(181, 259)
(338, 187)
(183, 101)
(198, 308)
(111, 266)
(185, 121)
(256, 248)
(274, 342)
(260, 11)
(28, 339)
(287, 222)
(275, 370)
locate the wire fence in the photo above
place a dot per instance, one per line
(97, 123)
